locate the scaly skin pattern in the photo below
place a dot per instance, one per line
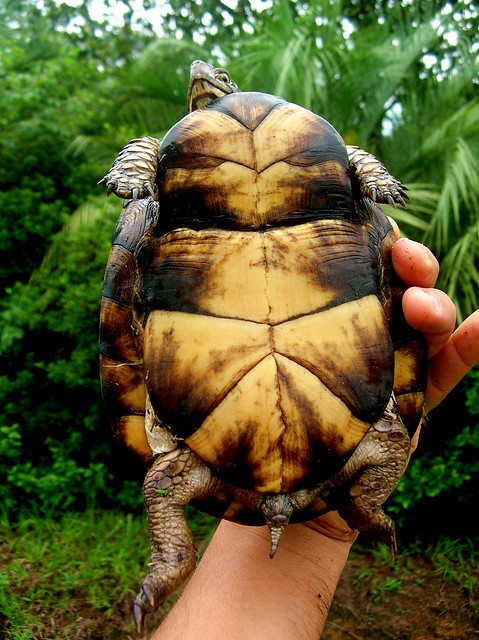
(377, 465)
(133, 172)
(170, 484)
(374, 179)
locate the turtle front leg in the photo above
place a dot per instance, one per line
(376, 467)
(133, 174)
(373, 179)
(171, 482)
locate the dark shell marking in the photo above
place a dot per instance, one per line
(252, 321)
(278, 164)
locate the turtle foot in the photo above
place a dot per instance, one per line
(165, 578)
(133, 173)
(374, 180)
(127, 188)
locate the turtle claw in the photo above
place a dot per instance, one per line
(139, 616)
(392, 550)
(148, 599)
(150, 190)
(125, 188)
(155, 588)
(149, 594)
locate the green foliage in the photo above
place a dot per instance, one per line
(48, 96)
(472, 392)
(431, 475)
(53, 573)
(55, 448)
(458, 560)
(448, 468)
(452, 560)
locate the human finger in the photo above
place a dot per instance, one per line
(451, 363)
(414, 263)
(432, 312)
(395, 227)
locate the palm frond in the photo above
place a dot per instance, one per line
(441, 127)
(423, 203)
(283, 58)
(460, 188)
(376, 66)
(460, 272)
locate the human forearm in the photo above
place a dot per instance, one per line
(238, 592)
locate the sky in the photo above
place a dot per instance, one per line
(113, 10)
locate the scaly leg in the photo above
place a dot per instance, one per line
(376, 467)
(133, 174)
(172, 481)
(373, 179)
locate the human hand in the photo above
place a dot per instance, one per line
(451, 353)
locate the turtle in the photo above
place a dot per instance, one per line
(253, 350)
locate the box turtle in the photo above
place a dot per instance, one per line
(253, 348)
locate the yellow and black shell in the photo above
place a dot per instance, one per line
(251, 312)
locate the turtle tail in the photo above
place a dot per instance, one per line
(277, 510)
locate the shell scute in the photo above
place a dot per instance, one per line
(119, 275)
(290, 168)
(250, 110)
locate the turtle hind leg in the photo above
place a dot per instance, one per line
(378, 462)
(371, 518)
(170, 483)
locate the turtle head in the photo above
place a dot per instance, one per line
(208, 83)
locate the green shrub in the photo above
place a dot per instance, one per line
(445, 469)
(55, 447)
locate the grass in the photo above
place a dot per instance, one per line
(452, 560)
(74, 578)
(57, 575)
(458, 561)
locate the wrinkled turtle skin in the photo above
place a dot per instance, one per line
(253, 349)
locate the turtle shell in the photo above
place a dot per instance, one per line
(258, 310)
(254, 352)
